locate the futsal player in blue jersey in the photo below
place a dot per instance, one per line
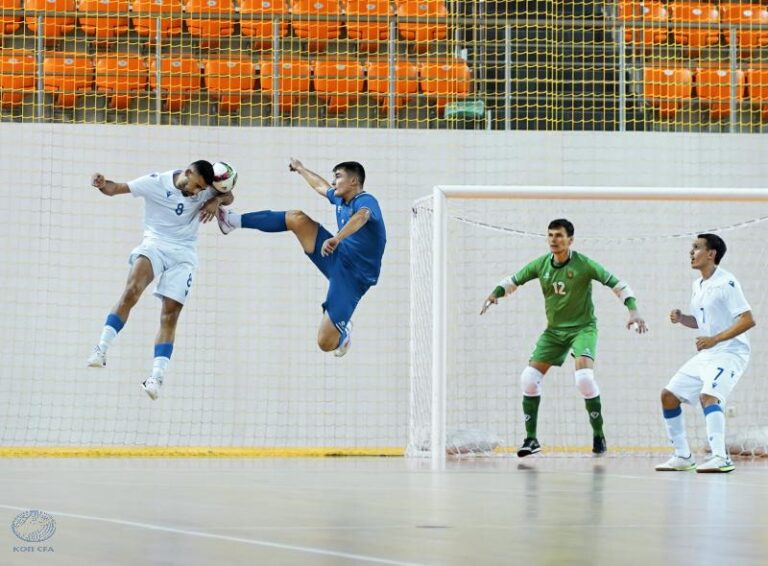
(349, 259)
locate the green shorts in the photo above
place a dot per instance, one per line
(553, 345)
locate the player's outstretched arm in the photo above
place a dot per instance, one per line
(743, 323)
(314, 180)
(356, 221)
(505, 287)
(677, 317)
(109, 188)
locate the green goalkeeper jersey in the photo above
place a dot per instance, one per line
(567, 288)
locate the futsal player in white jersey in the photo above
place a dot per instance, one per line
(722, 316)
(175, 202)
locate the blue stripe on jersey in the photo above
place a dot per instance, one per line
(672, 413)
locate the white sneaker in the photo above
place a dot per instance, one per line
(152, 387)
(677, 464)
(346, 343)
(97, 359)
(222, 216)
(716, 465)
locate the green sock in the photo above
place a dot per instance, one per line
(531, 412)
(595, 410)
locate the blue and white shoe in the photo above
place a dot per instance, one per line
(716, 465)
(346, 343)
(152, 386)
(98, 359)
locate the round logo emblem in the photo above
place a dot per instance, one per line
(33, 526)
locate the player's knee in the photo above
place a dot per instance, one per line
(530, 382)
(707, 400)
(132, 294)
(327, 343)
(669, 400)
(586, 384)
(295, 219)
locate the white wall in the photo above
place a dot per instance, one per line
(246, 370)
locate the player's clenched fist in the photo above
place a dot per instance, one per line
(98, 181)
(675, 316)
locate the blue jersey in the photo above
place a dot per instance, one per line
(362, 251)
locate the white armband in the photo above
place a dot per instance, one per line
(508, 285)
(623, 291)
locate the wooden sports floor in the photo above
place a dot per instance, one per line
(541, 510)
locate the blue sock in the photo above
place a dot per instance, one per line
(265, 220)
(162, 358)
(115, 322)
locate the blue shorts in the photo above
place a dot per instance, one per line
(344, 290)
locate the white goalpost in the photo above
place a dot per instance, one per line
(464, 370)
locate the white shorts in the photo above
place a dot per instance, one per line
(173, 266)
(711, 373)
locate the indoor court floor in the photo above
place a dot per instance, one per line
(496, 510)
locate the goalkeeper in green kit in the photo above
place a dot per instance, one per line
(566, 280)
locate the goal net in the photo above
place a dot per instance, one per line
(642, 236)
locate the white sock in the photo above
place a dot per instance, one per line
(676, 432)
(108, 335)
(159, 366)
(715, 420)
(235, 219)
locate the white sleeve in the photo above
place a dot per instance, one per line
(146, 185)
(735, 300)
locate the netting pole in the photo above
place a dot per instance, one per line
(439, 330)
(732, 58)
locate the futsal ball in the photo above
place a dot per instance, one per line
(224, 177)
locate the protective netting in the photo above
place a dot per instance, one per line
(504, 64)
(644, 243)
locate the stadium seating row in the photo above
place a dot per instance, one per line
(215, 19)
(677, 17)
(338, 82)
(667, 88)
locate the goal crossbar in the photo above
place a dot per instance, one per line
(441, 194)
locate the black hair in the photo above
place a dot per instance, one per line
(562, 223)
(714, 242)
(204, 169)
(353, 168)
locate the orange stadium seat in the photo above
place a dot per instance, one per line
(666, 88)
(53, 26)
(369, 34)
(180, 78)
(104, 27)
(17, 76)
(713, 87)
(228, 80)
(9, 23)
(651, 12)
(445, 81)
(757, 84)
(695, 13)
(746, 15)
(66, 75)
(406, 82)
(316, 32)
(261, 30)
(294, 81)
(339, 82)
(427, 29)
(209, 29)
(147, 26)
(121, 76)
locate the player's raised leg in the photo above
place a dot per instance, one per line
(682, 460)
(166, 335)
(139, 278)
